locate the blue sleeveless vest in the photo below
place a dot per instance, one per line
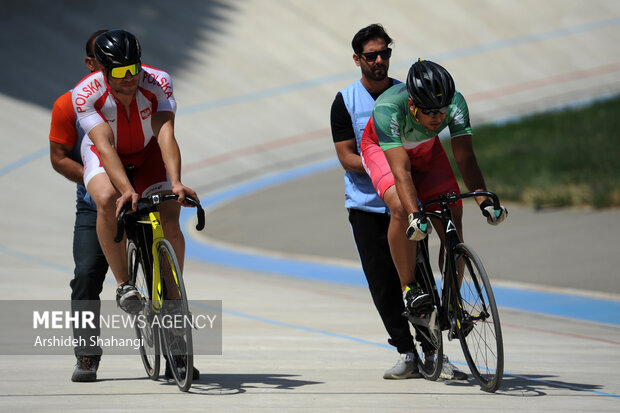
(358, 190)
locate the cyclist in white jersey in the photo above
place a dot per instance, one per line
(127, 110)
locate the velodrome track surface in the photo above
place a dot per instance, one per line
(254, 81)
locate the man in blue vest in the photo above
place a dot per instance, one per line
(368, 215)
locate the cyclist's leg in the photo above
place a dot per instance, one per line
(104, 194)
(403, 250)
(169, 213)
(151, 178)
(457, 215)
(378, 168)
(434, 177)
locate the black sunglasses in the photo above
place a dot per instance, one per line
(372, 56)
(433, 112)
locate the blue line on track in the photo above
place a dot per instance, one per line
(25, 160)
(549, 303)
(449, 55)
(550, 383)
(524, 300)
(572, 306)
(439, 57)
(306, 329)
(34, 260)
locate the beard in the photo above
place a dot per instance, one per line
(378, 72)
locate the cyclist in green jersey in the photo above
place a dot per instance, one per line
(405, 124)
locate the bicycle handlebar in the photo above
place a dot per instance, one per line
(454, 197)
(152, 201)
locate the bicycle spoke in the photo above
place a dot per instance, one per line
(466, 298)
(146, 332)
(428, 329)
(479, 328)
(176, 319)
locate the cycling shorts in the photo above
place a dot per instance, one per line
(431, 171)
(145, 167)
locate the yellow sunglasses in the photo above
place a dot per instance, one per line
(120, 72)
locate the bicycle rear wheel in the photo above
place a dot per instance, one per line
(430, 336)
(176, 329)
(478, 327)
(146, 331)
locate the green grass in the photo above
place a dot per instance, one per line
(564, 158)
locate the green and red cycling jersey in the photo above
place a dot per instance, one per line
(395, 126)
(392, 126)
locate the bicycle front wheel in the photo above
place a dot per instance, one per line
(176, 331)
(478, 325)
(146, 331)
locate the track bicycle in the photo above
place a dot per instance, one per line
(163, 323)
(466, 306)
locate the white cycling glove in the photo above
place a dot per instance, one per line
(494, 216)
(419, 227)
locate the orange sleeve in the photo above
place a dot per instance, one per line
(62, 129)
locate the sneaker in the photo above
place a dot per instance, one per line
(450, 372)
(168, 373)
(128, 298)
(85, 369)
(416, 300)
(405, 368)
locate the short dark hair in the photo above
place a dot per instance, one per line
(90, 43)
(374, 31)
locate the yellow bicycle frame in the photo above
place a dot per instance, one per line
(158, 237)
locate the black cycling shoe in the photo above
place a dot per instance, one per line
(416, 300)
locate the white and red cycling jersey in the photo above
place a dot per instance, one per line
(95, 104)
(133, 135)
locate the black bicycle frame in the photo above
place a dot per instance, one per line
(452, 239)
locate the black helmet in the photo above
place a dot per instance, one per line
(117, 48)
(430, 86)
